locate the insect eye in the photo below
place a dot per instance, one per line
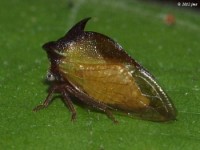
(50, 76)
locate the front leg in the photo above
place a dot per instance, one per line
(48, 99)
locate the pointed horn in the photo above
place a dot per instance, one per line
(77, 29)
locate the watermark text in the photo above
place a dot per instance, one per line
(187, 4)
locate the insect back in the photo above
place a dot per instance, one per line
(96, 70)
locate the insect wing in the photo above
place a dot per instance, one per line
(160, 108)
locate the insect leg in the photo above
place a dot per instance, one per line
(90, 101)
(69, 103)
(110, 115)
(48, 98)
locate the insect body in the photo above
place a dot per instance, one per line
(96, 70)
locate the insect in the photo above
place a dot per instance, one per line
(95, 69)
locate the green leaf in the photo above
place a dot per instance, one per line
(170, 53)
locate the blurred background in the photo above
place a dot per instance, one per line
(162, 35)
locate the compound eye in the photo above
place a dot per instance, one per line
(50, 76)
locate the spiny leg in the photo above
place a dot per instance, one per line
(69, 103)
(48, 99)
(88, 100)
